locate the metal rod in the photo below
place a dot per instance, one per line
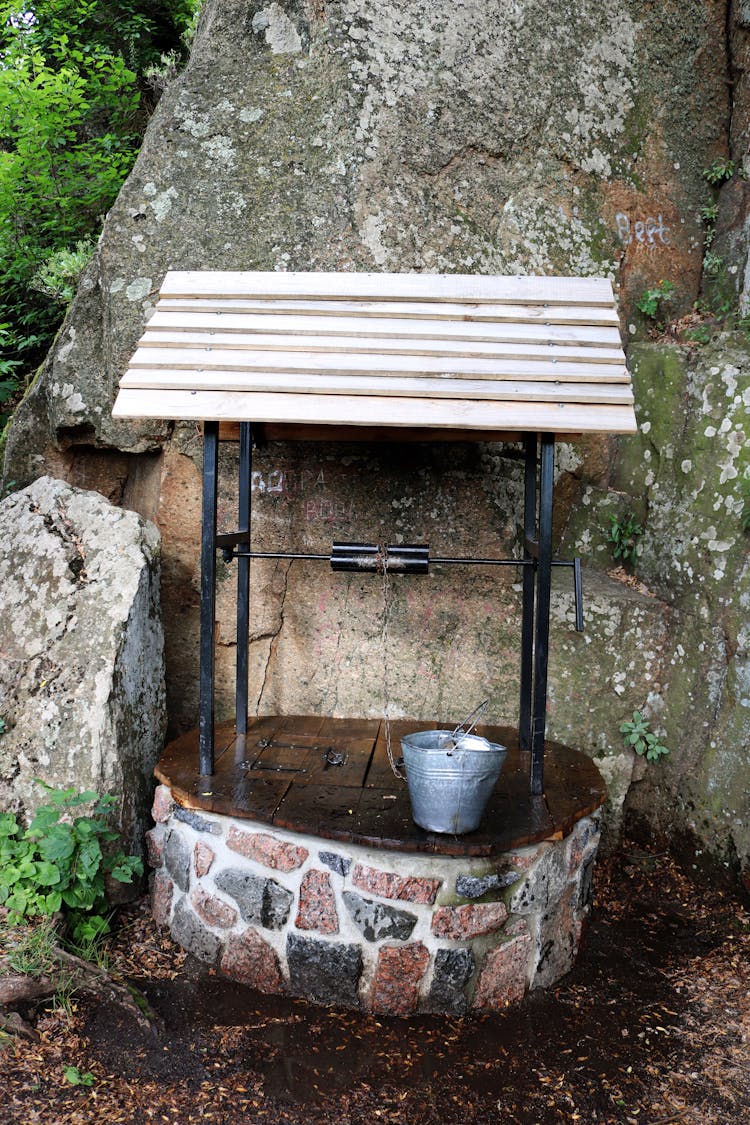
(543, 588)
(527, 619)
(208, 596)
(578, 587)
(243, 580)
(277, 555)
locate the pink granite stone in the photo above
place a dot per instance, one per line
(161, 810)
(395, 987)
(387, 884)
(251, 960)
(461, 923)
(266, 849)
(213, 910)
(203, 857)
(504, 975)
(155, 847)
(161, 898)
(317, 904)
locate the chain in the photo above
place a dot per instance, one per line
(382, 564)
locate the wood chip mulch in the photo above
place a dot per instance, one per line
(652, 1027)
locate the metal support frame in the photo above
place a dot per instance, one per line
(243, 579)
(537, 563)
(529, 575)
(208, 596)
(541, 625)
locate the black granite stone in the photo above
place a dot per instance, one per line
(336, 862)
(377, 921)
(476, 886)
(199, 823)
(261, 901)
(453, 969)
(324, 972)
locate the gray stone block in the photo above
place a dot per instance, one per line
(261, 901)
(325, 972)
(189, 932)
(377, 921)
(199, 823)
(453, 969)
(543, 884)
(335, 862)
(177, 860)
(475, 886)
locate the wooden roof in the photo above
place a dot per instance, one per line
(468, 352)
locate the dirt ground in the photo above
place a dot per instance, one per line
(652, 1027)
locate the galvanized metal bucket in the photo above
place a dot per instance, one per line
(450, 782)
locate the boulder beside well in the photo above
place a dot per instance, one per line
(81, 650)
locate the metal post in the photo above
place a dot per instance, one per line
(543, 588)
(527, 622)
(243, 580)
(208, 596)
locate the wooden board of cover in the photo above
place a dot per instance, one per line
(331, 778)
(399, 351)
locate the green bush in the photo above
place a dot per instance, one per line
(74, 102)
(58, 863)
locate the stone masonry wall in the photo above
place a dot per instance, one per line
(389, 932)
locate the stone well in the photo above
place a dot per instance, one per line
(389, 932)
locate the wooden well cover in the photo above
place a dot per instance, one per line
(373, 349)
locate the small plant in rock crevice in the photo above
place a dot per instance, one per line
(59, 864)
(624, 533)
(719, 171)
(651, 300)
(637, 735)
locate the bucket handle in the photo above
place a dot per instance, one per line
(472, 719)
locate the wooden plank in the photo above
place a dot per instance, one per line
(478, 288)
(444, 367)
(379, 347)
(502, 390)
(319, 810)
(384, 821)
(465, 312)
(366, 410)
(221, 328)
(213, 344)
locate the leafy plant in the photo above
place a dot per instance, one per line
(624, 533)
(58, 863)
(651, 299)
(721, 169)
(710, 212)
(638, 735)
(58, 275)
(77, 1078)
(712, 263)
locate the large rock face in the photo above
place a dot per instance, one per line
(478, 137)
(81, 649)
